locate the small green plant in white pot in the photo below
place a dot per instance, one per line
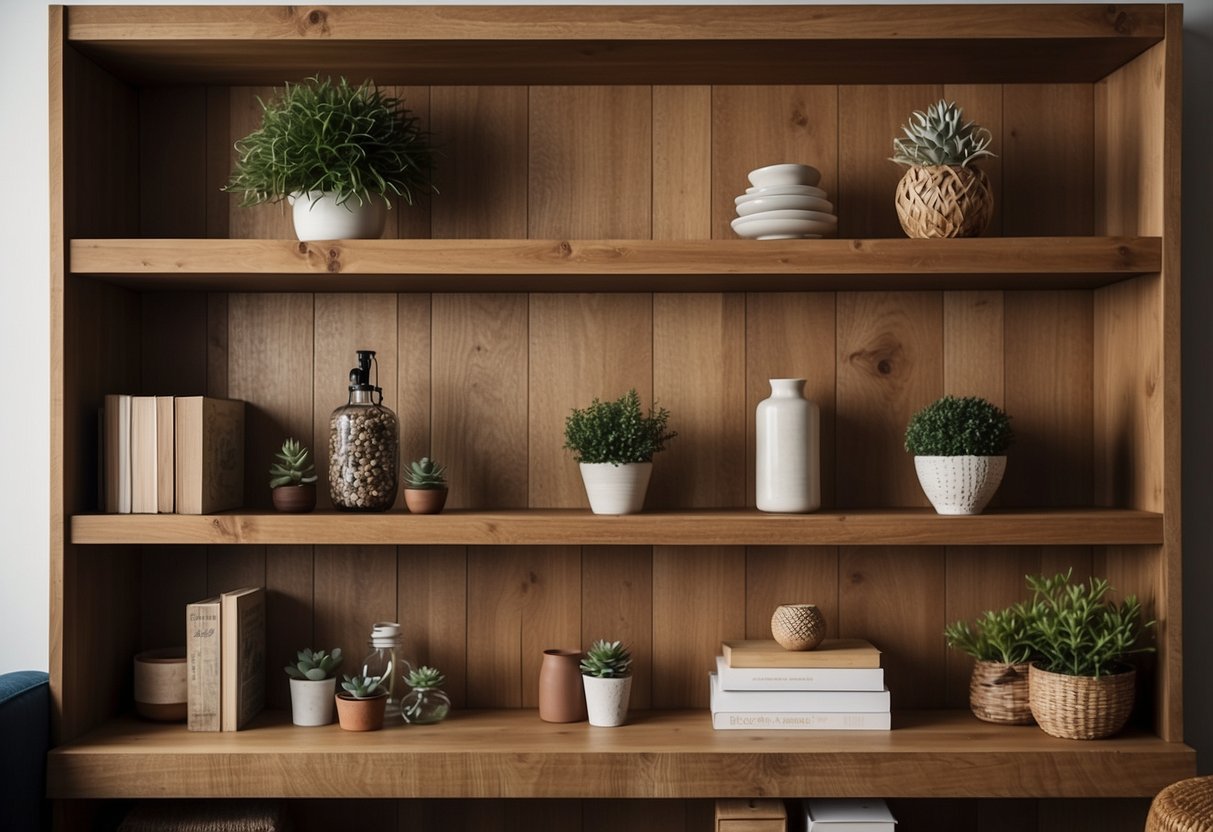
(959, 447)
(313, 682)
(606, 672)
(614, 443)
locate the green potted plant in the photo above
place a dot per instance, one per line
(943, 194)
(426, 703)
(293, 479)
(614, 443)
(425, 486)
(1000, 642)
(606, 672)
(336, 152)
(313, 682)
(1080, 686)
(362, 703)
(959, 446)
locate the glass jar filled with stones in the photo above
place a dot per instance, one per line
(364, 442)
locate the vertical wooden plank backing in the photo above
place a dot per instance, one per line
(172, 162)
(1104, 815)
(582, 347)
(1130, 119)
(353, 587)
(791, 335)
(1048, 368)
(682, 162)
(216, 344)
(890, 351)
(869, 118)
(479, 404)
(411, 221)
(289, 573)
(268, 221)
(346, 323)
(1047, 159)
(218, 161)
(617, 605)
(452, 815)
(170, 577)
(584, 147)
(270, 338)
(432, 601)
(637, 815)
(973, 345)
(698, 601)
(413, 382)
(234, 567)
(323, 815)
(699, 376)
(550, 611)
(982, 103)
(174, 344)
(894, 597)
(790, 575)
(481, 176)
(1139, 571)
(754, 126)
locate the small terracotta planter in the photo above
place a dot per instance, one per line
(561, 694)
(295, 499)
(361, 714)
(425, 500)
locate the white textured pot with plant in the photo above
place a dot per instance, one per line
(959, 447)
(606, 672)
(338, 154)
(614, 443)
(313, 684)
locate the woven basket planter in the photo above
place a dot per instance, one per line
(999, 693)
(1186, 806)
(944, 201)
(1081, 707)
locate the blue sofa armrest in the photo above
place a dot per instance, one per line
(25, 721)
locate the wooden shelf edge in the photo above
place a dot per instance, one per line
(554, 527)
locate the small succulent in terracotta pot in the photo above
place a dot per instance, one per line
(425, 486)
(293, 479)
(362, 703)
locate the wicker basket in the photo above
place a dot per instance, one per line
(1186, 806)
(1081, 707)
(999, 693)
(944, 201)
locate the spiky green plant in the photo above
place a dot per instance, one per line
(425, 677)
(425, 474)
(314, 665)
(997, 636)
(941, 136)
(617, 432)
(363, 687)
(607, 660)
(292, 466)
(954, 426)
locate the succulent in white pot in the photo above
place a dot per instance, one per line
(313, 683)
(606, 672)
(959, 447)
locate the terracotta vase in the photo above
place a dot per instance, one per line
(425, 500)
(361, 714)
(160, 684)
(561, 696)
(295, 499)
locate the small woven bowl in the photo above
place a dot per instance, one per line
(798, 626)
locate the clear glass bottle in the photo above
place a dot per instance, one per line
(385, 661)
(426, 703)
(364, 443)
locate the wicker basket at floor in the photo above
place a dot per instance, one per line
(1081, 707)
(1186, 806)
(999, 693)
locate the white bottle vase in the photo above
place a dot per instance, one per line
(788, 460)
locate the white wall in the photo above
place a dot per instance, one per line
(24, 335)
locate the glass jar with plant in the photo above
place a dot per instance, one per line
(426, 703)
(959, 447)
(1000, 642)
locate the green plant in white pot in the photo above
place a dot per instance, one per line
(338, 153)
(313, 683)
(606, 672)
(959, 447)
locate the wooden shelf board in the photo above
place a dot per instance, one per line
(616, 265)
(554, 527)
(512, 753)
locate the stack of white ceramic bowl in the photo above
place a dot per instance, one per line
(784, 204)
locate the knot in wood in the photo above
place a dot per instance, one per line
(884, 366)
(564, 248)
(799, 119)
(334, 261)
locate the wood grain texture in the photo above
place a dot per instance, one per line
(482, 175)
(354, 587)
(412, 221)
(413, 382)
(617, 605)
(268, 221)
(582, 347)
(973, 345)
(233, 567)
(216, 344)
(699, 376)
(586, 183)
(432, 603)
(289, 598)
(479, 398)
(789, 575)
(682, 162)
(218, 160)
(755, 126)
(889, 355)
(173, 162)
(791, 336)
(698, 602)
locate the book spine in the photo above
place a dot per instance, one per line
(243, 629)
(203, 657)
(741, 721)
(800, 679)
(166, 450)
(827, 701)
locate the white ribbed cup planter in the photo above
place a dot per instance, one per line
(318, 217)
(312, 702)
(787, 461)
(606, 700)
(960, 484)
(616, 489)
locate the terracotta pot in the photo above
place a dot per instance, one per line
(560, 692)
(798, 626)
(361, 714)
(160, 684)
(295, 499)
(425, 500)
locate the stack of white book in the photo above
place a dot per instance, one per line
(848, 815)
(837, 687)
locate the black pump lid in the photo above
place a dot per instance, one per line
(360, 376)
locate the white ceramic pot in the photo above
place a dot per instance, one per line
(606, 700)
(960, 484)
(616, 489)
(318, 217)
(787, 460)
(312, 702)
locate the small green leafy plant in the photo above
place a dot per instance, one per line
(292, 466)
(997, 636)
(354, 142)
(425, 678)
(607, 660)
(314, 665)
(940, 136)
(425, 474)
(363, 687)
(955, 426)
(617, 432)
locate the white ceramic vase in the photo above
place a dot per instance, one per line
(312, 702)
(960, 484)
(606, 700)
(788, 461)
(318, 217)
(616, 489)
